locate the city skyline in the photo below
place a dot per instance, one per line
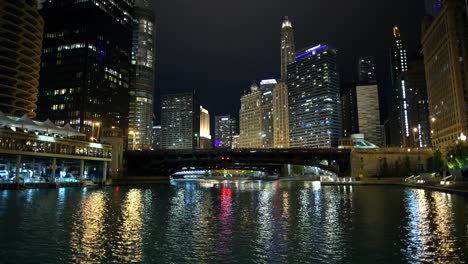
(235, 29)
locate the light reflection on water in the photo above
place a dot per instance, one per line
(234, 222)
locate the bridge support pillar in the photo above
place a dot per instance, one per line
(17, 171)
(104, 172)
(286, 170)
(81, 171)
(54, 168)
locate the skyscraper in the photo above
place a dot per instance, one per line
(368, 112)
(156, 141)
(399, 64)
(280, 116)
(205, 135)
(180, 121)
(314, 98)
(21, 32)
(250, 119)
(413, 83)
(225, 129)
(445, 46)
(85, 71)
(140, 118)
(266, 89)
(433, 7)
(366, 70)
(287, 47)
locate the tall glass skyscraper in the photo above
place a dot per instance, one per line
(314, 98)
(287, 47)
(86, 63)
(140, 118)
(366, 70)
(225, 129)
(266, 89)
(180, 121)
(399, 113)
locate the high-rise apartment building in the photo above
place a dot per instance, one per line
(205, 134)
(399, 65)
(250, 119)
(156, 137)
(180, 121)
(266, 88)
(314, 98)
(280, 116)
(413, 83)
(368, 112)
(445, 46)
(225, 129)
(366, 70)
(287, 47)
(141, 93)
(349, 109)
(21, 29)
(86, 63)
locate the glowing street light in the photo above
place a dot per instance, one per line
(463, 137)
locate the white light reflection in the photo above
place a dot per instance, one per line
(129, 234)
(88, 234)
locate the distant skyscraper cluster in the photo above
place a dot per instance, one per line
(99, 72)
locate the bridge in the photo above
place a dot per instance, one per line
(168, 162)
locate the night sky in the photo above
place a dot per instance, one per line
(219, 47)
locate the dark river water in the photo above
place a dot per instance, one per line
(240, 222)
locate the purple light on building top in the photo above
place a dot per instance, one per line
(217, 143)
(311, 51)
(268, 82)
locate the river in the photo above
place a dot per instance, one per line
(234, 222)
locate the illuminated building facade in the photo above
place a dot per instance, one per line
(86, 63)
(180, 121)
(413, 82)
(366, 70)
(280, 116)
(314, 99)
(205, 135)
(445, 48)
(287, 47)
(225, 129)
(250, 119)
(140, 118)
(156, 139)
(399, 116)
(21, 30)
(368, 112)
(266, 89)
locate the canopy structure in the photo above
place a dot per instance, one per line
(47, 127)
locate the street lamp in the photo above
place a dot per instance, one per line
(98, 130)
(463, 137)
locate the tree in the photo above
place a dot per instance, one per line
(407, 166)
(437, 162)
(384, 172)
(457, 156)
(397, 168)
(297, 170)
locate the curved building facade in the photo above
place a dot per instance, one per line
(141, 93)
(21, 29)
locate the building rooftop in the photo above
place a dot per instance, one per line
(46, 127)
